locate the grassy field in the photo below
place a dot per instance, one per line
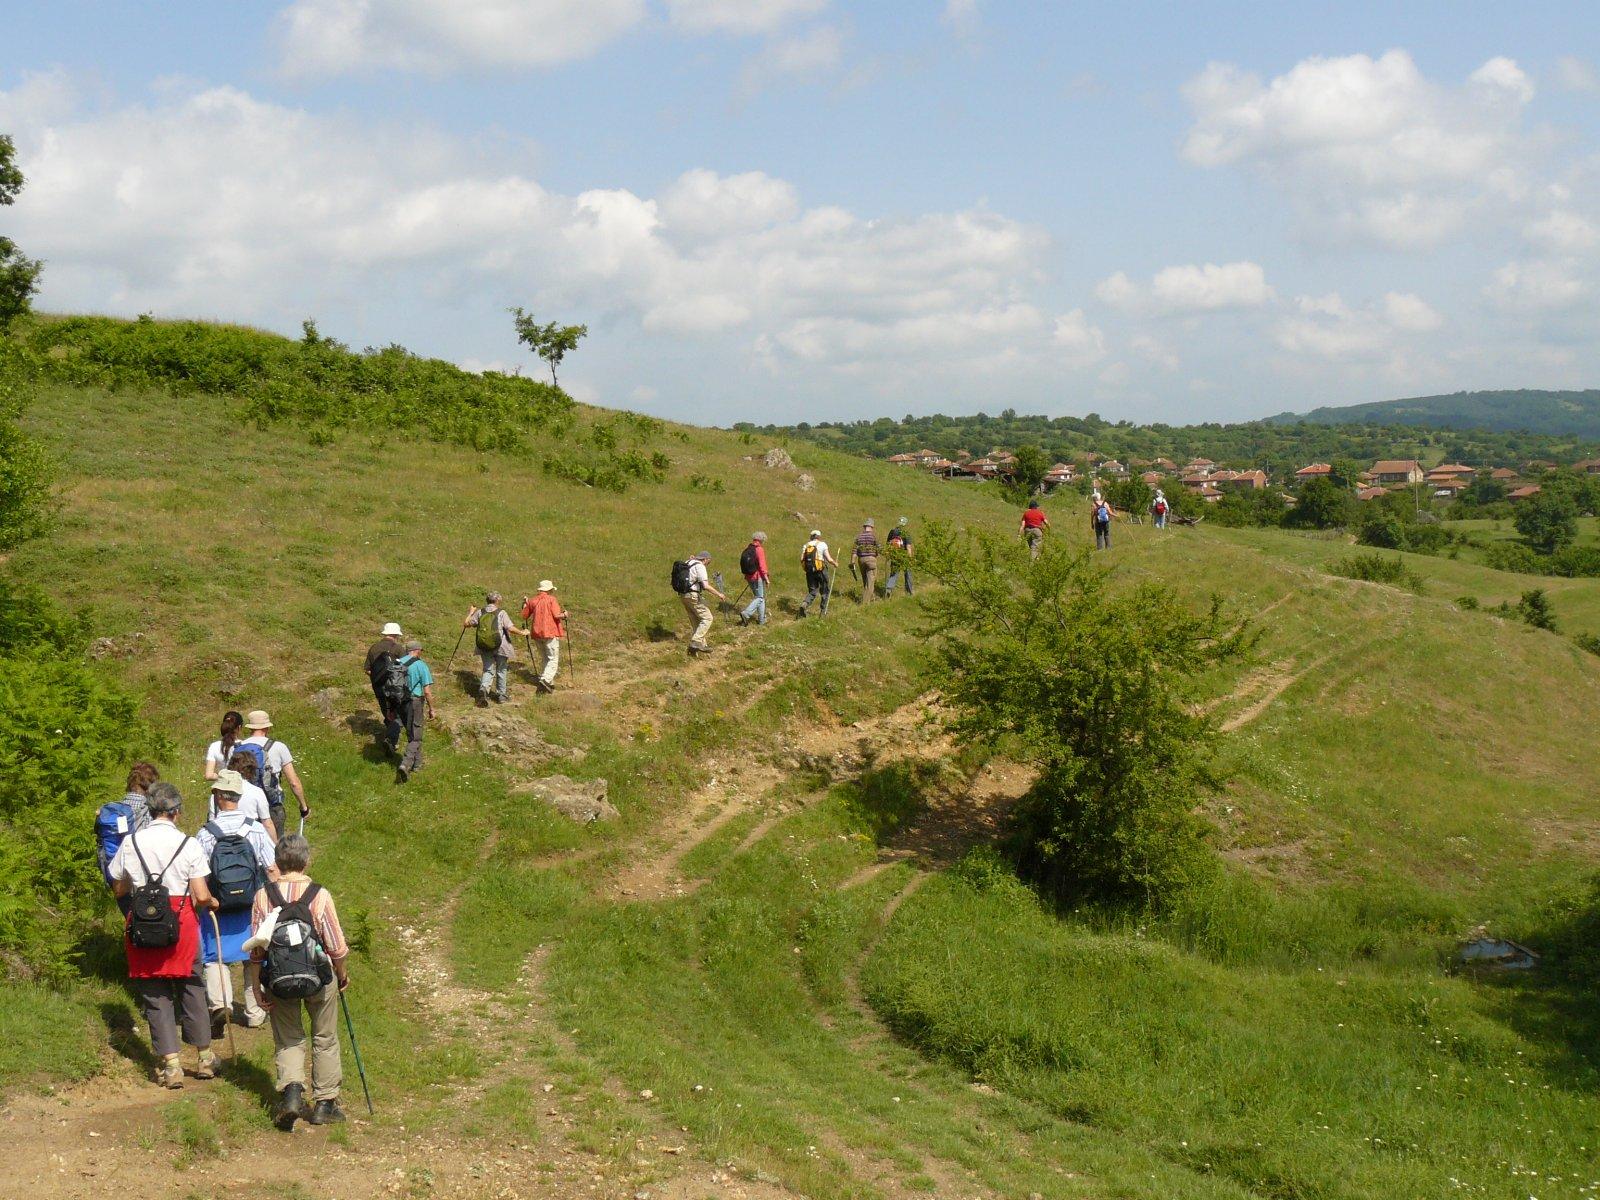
(1402, 771)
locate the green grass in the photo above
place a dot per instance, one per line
(1418, 770)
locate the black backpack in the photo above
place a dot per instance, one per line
(680, 578)
(152, 921)
(296, 965)
(236, 873)
(389, 679)
(749, 563)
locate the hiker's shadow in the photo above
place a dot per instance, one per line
(248, 1076)
(122, 1033)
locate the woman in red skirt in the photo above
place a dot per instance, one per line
(168, 979)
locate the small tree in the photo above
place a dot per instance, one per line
(550, 342)
(1130, 495)
(1535, 609)
(1028, 472)
(19, 275)
(1549, 521)
(1096, 686)
(1323, 505)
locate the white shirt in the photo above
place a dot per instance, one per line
(252, 803)
(277, 758)
(821, 555)
(698, 579)
(214, 755)
(158, 842)
(233, 822)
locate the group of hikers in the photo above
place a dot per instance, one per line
(234, 892)
(692, 579)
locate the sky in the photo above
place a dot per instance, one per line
(788, 210)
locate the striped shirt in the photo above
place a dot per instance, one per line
(323, 914)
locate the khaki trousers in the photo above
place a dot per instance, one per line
(220, 993)
(700, 614)
(552, 658)
(869, 574)
(289, 1039)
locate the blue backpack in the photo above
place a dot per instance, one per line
(266, 779)
(112, 823)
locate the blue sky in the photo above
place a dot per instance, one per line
(807, 209)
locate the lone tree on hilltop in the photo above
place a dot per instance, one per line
(19, 274)
(550, 342)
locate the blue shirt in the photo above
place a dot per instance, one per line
(417, 675)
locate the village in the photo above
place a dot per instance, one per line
(1210, 481)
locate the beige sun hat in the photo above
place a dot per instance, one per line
(392, 629)
(228, 781)
(258, 719)
(546, 586)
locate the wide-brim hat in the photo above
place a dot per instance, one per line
(392, 629)
(228, 781)
(816, 533)
(257, 719)
(546, 586)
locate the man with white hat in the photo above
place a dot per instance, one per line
(547, 623)
(383, 651)
(244, 840)
(815, 558)
(279, 767)
(694, 602)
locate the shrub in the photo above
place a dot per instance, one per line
(1378, 568)
(1510, 556)
(1468, 602)
(1534, 608)
(1549, 521)
(1588, 641)
(1381, 528)
(1096, 687)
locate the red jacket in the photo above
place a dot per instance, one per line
(761, 564)
(546, 616)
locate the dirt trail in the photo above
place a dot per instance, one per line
(1267, 684)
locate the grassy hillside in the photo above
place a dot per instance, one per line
(705, 986)
(1571, 414)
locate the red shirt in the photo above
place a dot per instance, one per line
(761, 564)
(1033, 518)
(548, 620)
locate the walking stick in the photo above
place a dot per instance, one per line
(222, 969)
(572, 676)
(356, 1050)
(459, 638)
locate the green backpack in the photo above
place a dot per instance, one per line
(488, 636)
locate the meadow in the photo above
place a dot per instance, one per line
(761, 959)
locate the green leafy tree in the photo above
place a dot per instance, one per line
(1130, 495)
(19, 274)
(1323, 505)
(550, 342)
(1096, 686)
(1534, 607)
(1346, 473)
(1549, 521)
(1029, 470)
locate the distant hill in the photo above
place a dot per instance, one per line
(1560, 414)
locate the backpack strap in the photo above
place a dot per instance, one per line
(274, 895)
(214, 830)
(161, 878)
(143, 866)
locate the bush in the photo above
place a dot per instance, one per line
(1548, 522)
(1535, 609)
(1096, 687)
(1378, 568)
(1381, 528)
(1510, 556)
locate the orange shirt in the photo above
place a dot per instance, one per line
(547, 620)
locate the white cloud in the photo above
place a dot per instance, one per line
(214, 202)
(1563, 232)
(1576, 75)
(813, 54)
(1535, 286)
(333, 37)
(1370, 148)
(1189, 289)
(739, 16)
(961, 15)
(1326, 328)
(1154, 351)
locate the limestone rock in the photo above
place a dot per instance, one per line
(501, 731)
(580, 800)
(777, 457)
(805, 482)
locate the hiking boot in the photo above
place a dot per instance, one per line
(219, 1022)
(206, 1068)
(291, 1107)
(693, 649)
(544, 687)
(483, 702)
(743, 620)
(401, 773)
(170, 1073)
(327, 1112)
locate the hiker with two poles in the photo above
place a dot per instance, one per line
(495, 629)
(753, 566)
(547, 625)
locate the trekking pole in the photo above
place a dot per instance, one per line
(356, 1050)
(459, 638)
(572, 676)
(222, 969)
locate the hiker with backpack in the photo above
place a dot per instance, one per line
(252, 800)
(1100, 518)
(495, 651)
(418, 708)
(220, 751)
(241, 860)
(898, 546)
(380, 657)
(864, 556)
(753, 566)
(691, 581)
(815, 559)
(118, 818)
(1159, 508)
(162, 872)
(547, 621)
(274, 765)
(1034, 524)
(302, 951)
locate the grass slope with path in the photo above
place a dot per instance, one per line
(767, 977)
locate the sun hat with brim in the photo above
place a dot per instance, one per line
(257, 719)
(228, 781)
(816, 533)
(546, 586)
(391, 630)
